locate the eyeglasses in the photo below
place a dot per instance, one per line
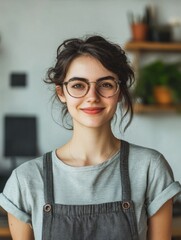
(78, 88)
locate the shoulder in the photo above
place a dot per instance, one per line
(145, 155)
(24, 175)
(144, 152)
(29, 173)
(26, 179)
(147, 162)
(30, 167)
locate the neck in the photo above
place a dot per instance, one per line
(91, 146)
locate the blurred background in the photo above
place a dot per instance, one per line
(31, 31)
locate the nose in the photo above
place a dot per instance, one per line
(92, 94)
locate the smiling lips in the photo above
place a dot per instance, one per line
(92, 110)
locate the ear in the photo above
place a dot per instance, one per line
(60, 93)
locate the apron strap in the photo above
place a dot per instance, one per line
(48, 178)
(124, 154)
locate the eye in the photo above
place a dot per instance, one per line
(77, 85)
(108, 84)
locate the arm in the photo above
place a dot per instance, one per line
(160, 224)
(19, 230)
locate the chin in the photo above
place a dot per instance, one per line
(94, 124)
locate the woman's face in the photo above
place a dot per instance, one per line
(91, 110)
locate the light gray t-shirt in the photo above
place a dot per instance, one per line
(151, 178)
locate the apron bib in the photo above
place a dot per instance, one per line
(106, 221)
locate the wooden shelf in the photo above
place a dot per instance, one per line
(139, 48)
(4, 232)
(176, 227)
(153, 46)
(141, 109)
(4, 229)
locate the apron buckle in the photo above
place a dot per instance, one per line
(47, 207)
(126, 205)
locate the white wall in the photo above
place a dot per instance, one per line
(30, 33)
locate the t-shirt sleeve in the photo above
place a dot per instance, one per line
(161, 185)
(13, 199)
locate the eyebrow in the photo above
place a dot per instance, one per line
(85, 79)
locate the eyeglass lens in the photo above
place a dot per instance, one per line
(79, 88)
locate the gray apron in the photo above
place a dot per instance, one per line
(105, 221)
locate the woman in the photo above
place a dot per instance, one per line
(95, 187)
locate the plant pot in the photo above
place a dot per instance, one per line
(139, 31)
(163, 95)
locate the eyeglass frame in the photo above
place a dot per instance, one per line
(88, 83)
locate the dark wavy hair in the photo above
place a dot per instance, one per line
(112, 57)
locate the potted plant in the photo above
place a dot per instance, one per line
(159, 82)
